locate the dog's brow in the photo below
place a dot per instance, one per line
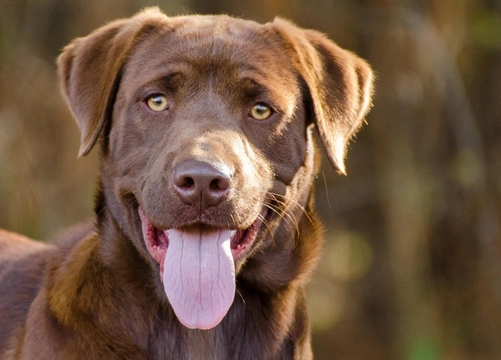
(169, 81)
(254, 89)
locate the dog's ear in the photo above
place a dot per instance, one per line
(340, 86)
(89, 71)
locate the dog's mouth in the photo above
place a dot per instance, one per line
(197, 267)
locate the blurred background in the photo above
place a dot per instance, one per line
(412, 263)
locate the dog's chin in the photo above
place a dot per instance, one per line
(198, 267)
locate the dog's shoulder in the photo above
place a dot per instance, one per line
(22, 263)
(14, 246)
(23, 267)
(21, 251)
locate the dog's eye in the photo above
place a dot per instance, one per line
(157, 103)
(260, 111)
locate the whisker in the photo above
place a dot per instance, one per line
(288, 218)
(326, 189)
(240, 295)
(268, 227)
(287, 212)
(295, 202)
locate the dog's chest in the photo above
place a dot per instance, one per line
(190, 345)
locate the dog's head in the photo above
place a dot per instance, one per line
(207, 151)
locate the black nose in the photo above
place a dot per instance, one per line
(198, 182)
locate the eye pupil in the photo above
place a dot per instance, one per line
(261, 109)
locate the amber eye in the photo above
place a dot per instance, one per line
(157, 103)
(260, 111)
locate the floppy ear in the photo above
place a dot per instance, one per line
(340, 86)
(89, 71)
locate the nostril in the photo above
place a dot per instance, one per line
(184, 182)
(219, 184)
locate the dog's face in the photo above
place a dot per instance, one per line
(207, 147)
(208, 127)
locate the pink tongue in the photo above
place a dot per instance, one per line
(199, 276)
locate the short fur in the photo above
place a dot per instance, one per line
(96, 292)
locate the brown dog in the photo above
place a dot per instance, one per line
(205, 235)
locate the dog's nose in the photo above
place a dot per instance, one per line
(198, 182)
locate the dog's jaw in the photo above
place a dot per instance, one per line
(197, 268)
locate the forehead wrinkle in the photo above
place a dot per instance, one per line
(217, 54)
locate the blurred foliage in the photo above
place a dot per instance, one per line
(412, 262)
(487, 29)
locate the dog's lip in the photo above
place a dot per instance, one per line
(157, 240)
(241, 242)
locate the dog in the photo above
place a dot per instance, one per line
(204, 235)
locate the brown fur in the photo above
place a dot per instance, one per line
(96, 292)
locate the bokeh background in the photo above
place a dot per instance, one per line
(412, 263)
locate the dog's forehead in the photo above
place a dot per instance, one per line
(211, 43)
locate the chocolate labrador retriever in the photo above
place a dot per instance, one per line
(205, 234)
